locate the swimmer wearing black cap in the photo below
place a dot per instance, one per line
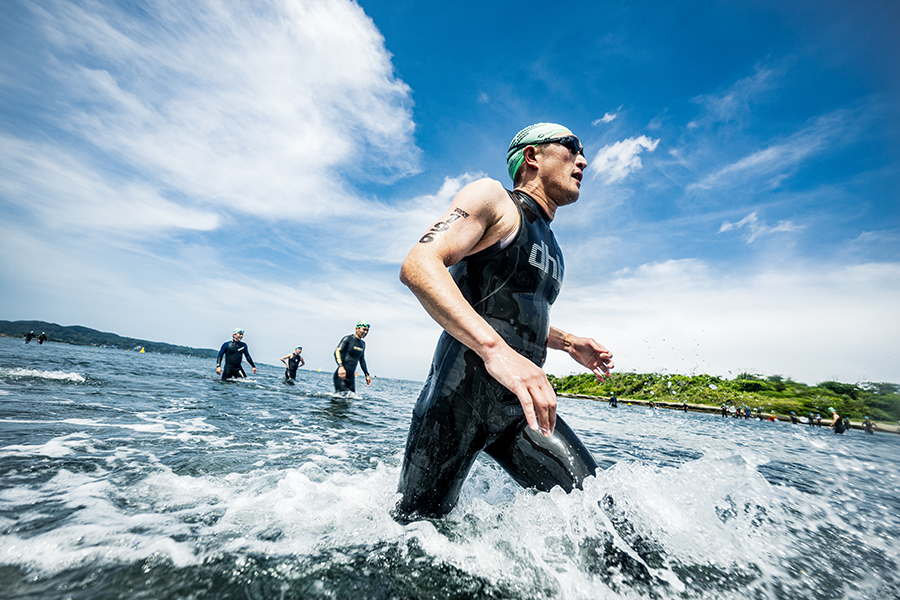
(350, 352)
(486, 390)
(234, 351)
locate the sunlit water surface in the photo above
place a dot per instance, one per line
(126, 475)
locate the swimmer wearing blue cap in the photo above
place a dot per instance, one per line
(486, 390)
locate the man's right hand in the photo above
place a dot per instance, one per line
(529, 383)
(342, 372)
(218, 370)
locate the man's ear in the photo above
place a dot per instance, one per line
(530, 155)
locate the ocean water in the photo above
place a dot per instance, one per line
(126, 475)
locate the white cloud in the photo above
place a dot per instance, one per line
(616, 161)
(67, 192)
(263, 109)
(734, 103)
(812, 322)
(757, 228)
(773, 164)
(606, 118)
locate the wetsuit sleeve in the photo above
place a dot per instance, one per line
(246, 351)
(221, 354)
(362, 363)
(341, 348)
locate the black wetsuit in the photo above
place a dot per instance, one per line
(29, 337)
(41, 339)
(839, 426)
(349, 352)
(232, 351)
(293, 365)
(462, 410)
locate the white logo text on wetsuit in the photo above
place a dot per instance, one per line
(540, 258)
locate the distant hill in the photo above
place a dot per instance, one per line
(85, 336)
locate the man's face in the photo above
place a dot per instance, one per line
(361, 332)
(237, 336)
(561, 171)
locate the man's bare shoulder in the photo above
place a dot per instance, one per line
(484, 196)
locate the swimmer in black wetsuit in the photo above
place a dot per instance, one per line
(233, 352)
(350, 351)
(486, 389)
(42, 338)
(836, 422)
(293, 361)
(29, 336)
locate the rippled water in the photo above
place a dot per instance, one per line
(126, 475)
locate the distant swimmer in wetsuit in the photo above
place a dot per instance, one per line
(836, 422)
(233, 352)
(349, 352)
(29, 336)
(42, 338)
(486, 390)
(869, 426)
(293, 361)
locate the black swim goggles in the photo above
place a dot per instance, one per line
(570, 142)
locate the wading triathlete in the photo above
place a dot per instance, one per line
(349, 352)
(233, 352)
(836, 422)
(293, 361)
(486, 389)
(42, 338)
(29, 336)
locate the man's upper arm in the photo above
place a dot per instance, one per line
(462, 229)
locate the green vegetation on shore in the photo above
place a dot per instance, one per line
(85, 336)
(878, 401)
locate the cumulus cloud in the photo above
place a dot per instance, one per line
(757, 228)
(262, 109)
(616, 161)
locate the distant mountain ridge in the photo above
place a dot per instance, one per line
(85, 336)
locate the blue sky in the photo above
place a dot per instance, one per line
(171, 170)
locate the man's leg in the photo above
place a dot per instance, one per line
(443, 442)
(229, 372)
(339, 384)
(535, 461)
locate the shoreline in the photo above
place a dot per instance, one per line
(882, 428)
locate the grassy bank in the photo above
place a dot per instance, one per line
(878, 401)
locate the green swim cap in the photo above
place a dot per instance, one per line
(362, 323)
(237, 330)
(531, 134)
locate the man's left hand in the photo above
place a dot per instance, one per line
(591, 354)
